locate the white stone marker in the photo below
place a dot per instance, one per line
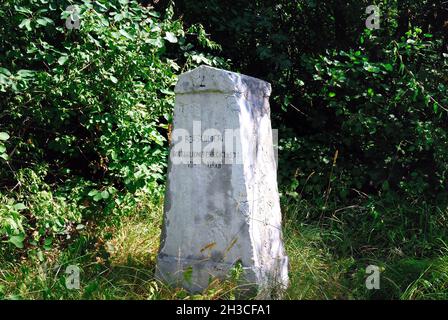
(222, 204)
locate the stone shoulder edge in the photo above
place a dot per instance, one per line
(210, 79)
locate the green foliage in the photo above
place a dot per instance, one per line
(3, 137)
(362, 114)
(85, 109)
(380, 116)
(375, 143)
(11, 221)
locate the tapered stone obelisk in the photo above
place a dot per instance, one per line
(222, 205)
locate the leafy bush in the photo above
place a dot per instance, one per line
(372, 160)
(385, 115)
(86, 109)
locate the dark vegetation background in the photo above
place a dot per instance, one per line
(362, 119)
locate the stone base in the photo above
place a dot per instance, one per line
(195, 275)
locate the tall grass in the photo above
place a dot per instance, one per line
(118, 261)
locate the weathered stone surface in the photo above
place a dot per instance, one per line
(222, 208)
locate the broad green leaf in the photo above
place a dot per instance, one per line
(167, 92)
(113, 79)
(436, 107)
(19, 206)
(48, 241)
(118, 17)
(154, 14)
(23, 10)
(62, 60)
(157, 42)
(40, 256)
(25, 73)
(17, 240)
(199, 58)
(125, 34)
(25, 23)
(171, 37)
(4, 136)
(44, 21)
(5, 71)
(388, 67)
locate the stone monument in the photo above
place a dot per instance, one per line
(222, 205)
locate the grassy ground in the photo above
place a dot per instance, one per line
(118, 263)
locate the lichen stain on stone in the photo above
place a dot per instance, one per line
(208, 246)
